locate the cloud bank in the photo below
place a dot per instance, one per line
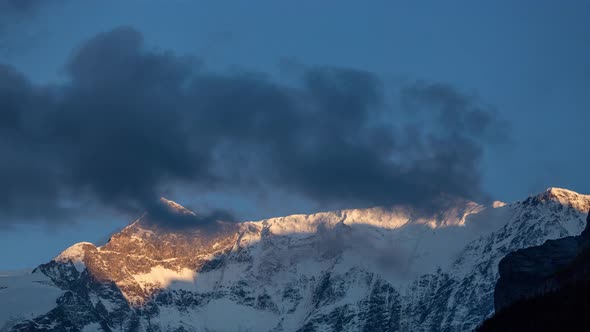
(132, 121)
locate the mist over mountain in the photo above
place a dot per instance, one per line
(131, 122)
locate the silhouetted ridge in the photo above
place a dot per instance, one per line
(545, 288)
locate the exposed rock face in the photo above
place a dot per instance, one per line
(538, 270)
(379, 269)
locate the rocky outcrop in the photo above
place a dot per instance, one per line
(534, 271)
(544, 288)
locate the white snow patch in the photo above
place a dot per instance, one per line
(164, 277)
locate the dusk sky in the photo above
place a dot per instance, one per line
(255, 109)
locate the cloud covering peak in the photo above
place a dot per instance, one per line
(130, 122)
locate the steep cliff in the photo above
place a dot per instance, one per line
(534, 271)
(544, 288)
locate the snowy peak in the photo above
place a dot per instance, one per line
(565, 197)
(76, 255)
(176, 208)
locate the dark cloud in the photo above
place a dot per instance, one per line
(162, 216)
(132, 121)
(457, 113)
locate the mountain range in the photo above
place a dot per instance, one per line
(376, 269)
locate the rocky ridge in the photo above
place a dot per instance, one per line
(534, 271)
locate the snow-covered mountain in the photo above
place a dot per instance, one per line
(378, 269)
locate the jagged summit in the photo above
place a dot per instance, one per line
(580, 202)
(75, 252)
(558, 192)
(168, 216)
(76, 255)
(175, 207)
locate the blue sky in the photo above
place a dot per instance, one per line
(528, 60)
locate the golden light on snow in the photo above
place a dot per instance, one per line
(498, 204)
(163, 277)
